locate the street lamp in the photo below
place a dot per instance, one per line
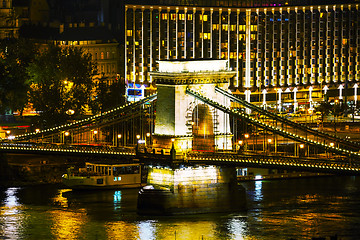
(246, 135)
(240, 144)
(147, 138)
(119, 138)
(269, 142)
(95, 133)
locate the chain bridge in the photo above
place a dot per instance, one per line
(208, 125)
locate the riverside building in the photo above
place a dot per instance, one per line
(285, 57)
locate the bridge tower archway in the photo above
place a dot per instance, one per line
(175, 109)
(203, 138)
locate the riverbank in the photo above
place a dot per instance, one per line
(25, 170)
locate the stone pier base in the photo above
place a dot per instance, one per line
(191, 190)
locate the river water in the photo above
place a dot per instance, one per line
(277, 209)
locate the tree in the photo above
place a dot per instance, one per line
(15, 57)
(324, 108)
(109, 95)
(61, 83)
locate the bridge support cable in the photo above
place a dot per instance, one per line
(274, 129)
(113, 113)
(345, 142)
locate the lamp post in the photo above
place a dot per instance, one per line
(301, 146)
(137, 143)
(246, 135)
(118, 139)
(269, 142)
(95, 133)
(148, 140)
(240, 143)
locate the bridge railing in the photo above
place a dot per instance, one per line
(65, 148)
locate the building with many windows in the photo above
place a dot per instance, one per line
(284, 56)
(97, 41)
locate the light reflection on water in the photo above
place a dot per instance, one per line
(302, 208)
(10, 214)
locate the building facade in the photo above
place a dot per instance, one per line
(283, 55)
(97, 41)
(9, 25)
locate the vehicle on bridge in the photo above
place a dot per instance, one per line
(104, 176)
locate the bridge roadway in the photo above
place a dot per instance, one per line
(320, 163)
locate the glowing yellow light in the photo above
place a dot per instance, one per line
(67, 134)
(332, 144)
(269, 140)
(173, 139)
(240, 142)
(37, 130)
(302, 146)
(138, 136)
(246, 135)
(148, 134)
(119, 136)
(95, 132)
(8, 131)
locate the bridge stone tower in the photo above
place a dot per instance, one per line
(181, 118)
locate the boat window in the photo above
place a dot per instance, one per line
(126, 170)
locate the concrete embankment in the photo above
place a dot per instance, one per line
(19, 169)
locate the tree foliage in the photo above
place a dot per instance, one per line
(324, 108)
(15, 57)
(61, 80)
(109, 96)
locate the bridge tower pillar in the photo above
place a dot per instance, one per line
(180, 117)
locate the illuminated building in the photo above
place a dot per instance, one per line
(15, 13)
(284, 56)
(97, 41)
(9, 26)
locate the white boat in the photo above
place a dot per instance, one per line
(104, 176)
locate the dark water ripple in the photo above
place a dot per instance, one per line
(284, 209)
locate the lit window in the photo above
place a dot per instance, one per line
(129, 33)
(203, 18)
(182, 16)
(102, 55)
(173, 16)
(215, 26)
(189, 17)
(164, 16)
